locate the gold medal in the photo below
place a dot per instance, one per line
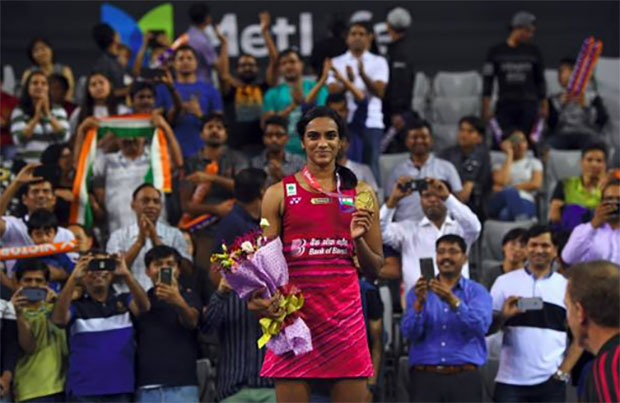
(364, 200)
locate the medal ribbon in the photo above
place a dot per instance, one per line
(314, 184)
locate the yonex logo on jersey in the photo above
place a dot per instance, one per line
(294, 200)
(291, 189)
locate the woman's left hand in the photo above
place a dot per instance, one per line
(360, 223)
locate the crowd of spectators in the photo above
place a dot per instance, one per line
(128, 314)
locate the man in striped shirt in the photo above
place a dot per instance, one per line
(593, 310)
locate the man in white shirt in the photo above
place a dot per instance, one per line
(534, 361)
(136, 239)
(370, 73)
(443, 214)
(39, 194)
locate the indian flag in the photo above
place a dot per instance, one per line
(128, 126)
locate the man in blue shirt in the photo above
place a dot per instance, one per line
(189, 102)
(446, 320)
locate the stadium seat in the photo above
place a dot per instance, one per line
(562, 164)
(9, 83)
(460, 84)
(386, 165)
(492, 235)
(448, 110)
(607, 73)
(444, 136)
(421, 92)
(80, 88)
(551, 80)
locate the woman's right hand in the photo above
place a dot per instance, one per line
(265, 307)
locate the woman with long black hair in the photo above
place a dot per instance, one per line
(324, 217)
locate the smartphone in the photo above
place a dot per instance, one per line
(427, 268)
(165, 275)
(530, 304)
(416, 185)
(34, 294)
(105, 264)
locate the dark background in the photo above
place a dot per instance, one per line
(446, 35)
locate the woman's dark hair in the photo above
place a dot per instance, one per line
(103, 34)
(25, 101)
(33, 42)
(87, 108)
(249, 183)
(349, 180)
(506, 135)
(52, 153)
(61, 79)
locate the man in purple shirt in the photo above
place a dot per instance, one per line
(445, 322)
(200, 17)
(600, 238)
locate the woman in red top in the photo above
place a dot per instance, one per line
(312, 212)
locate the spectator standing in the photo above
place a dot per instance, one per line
(227, 315)
(399, 89)
(355, 128)
(117, 175)
(446, 320)
(189, 101)
(57, 159)
(519, 69)
(148, 231)
(37, 194)
(574, 199)
(513, 251)
(167, 347)
(421, 164)
(274, 159)
(331, 46)
(515, 181)
(102, 350)
(36, 122)
(108, 42)
(593, 309)
(528, 370)
(289, 98)
(98, 102)
(598, 239)
(206, 57)
(574, 122)
(217, 198)
(243, 93)
(40, 370)
(41, 54)
(471, 158)
(369, 73)
(443, 214)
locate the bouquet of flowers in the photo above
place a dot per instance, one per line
(254, 262)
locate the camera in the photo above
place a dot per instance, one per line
(416, 185)
(102, 264)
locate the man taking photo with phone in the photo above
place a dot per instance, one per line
(166, 334)
(101, 356)
(40, 372)
(528, 303)
(446, 320)
(598, 239)
(443, 214)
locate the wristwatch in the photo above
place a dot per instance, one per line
(562, 376)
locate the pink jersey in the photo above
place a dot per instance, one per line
(318, 248)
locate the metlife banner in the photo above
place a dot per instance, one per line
(445, 35)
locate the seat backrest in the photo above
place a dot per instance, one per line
(387, 162)
(563, 164)
(9, 82)
(444, 136)
(493, 233)
(551, 81)
(448, 110)
(606, 74)
(421, 85)
(458, 84)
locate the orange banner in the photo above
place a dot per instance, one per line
(46, 249)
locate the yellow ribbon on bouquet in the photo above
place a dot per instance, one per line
(272, 327)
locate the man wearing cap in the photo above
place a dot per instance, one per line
(519, 69)
(399, 89)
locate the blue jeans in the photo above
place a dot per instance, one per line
(181, 394)
(371, 139)
(548, 391)
(507, 205)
